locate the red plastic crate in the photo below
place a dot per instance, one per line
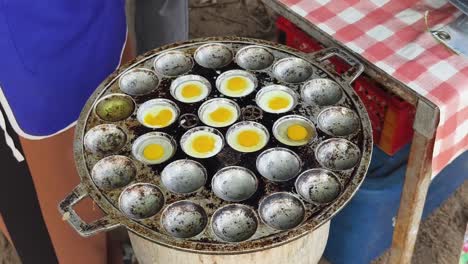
(376, 102)
(391, 118)
(398, 125)
(296, 38)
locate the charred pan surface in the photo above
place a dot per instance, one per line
(152, 225)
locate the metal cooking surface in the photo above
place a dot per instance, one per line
(244, 195)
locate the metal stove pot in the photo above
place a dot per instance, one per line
(219, 193)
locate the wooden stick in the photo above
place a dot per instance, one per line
(417, 181)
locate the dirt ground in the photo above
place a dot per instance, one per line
(440, 237)
(245, 18)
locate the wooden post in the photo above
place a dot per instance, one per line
(416, 185)
(305, 250)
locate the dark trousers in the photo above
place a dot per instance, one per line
(19, 206)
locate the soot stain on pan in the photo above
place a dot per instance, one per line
(205, 241)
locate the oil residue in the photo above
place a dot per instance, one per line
(228, 156)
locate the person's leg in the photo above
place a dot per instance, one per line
(159, 22)
(3, 228)
(54, 174)
(40, 236)
(19, 206)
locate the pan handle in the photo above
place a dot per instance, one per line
(84, 229)
(356, 66)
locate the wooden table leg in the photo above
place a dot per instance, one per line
(416, 185)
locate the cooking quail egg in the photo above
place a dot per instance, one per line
(202, 142)
(154, 148)
(157, 113)
(236, 83)
(190, 88)
(294, 130)
(219, 112)
(247, 136)
(276, 99)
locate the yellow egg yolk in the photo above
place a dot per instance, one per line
(203, 144)
(191, 90)
(160, 119)
(248, 138)
(236, 84)
(221, 114)
(278, 103)
(297, 132)
(153, 152)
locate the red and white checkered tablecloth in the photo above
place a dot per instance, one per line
(393, 36)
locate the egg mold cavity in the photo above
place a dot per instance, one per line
(149, 217)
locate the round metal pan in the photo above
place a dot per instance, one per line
(156, 201)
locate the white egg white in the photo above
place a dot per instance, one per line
(140, 144)
(281, 133)
(154, 108)
(234, 132)
(264, 100)
(203, 95)
(224, 89)
(189, 150)
(213, 106)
